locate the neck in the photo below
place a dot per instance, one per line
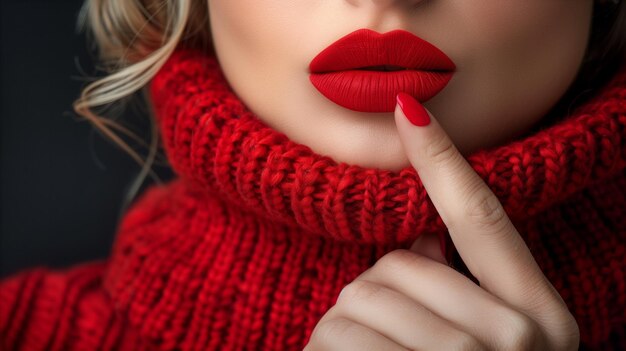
(219, 146)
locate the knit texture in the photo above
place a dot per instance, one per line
(250, 244)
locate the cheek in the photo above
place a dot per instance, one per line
(523, 54)
(237, 24)
(515, 60)
(249, 44)
(260, 45)
(262, 30)
(526, 35)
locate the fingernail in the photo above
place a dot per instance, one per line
(413, 110)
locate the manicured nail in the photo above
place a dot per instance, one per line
(413, 110)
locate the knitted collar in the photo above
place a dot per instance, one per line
(215, 143)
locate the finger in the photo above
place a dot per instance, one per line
(429, 245)
(453, 297)
(482, 233)
(338, 334)
(400, 318)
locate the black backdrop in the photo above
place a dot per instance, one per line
(63, 183)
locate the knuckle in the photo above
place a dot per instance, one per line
(567, 332)
(520, 332)
(328, 332)
(466, 342)
(361, 290)
(485, 209)
(395, 261)
(573, 341)
(440, 149)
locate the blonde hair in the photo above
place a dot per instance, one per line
(134, 38)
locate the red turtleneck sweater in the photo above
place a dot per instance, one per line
(251, 243)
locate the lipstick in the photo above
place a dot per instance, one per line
(365, 70)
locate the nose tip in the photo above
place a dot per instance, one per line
(385, 3)
(386, 15)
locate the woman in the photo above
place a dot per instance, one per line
(308, 166)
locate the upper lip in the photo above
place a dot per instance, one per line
(366, 48)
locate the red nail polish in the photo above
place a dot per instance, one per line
(413, 110)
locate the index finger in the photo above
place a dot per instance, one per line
(481, 230)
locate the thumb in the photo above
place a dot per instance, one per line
(430, 245)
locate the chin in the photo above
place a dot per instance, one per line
(390, 162)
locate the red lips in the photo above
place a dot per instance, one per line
(350, 71)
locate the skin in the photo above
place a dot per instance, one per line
(412, 300)
(514, 60)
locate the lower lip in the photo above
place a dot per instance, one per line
(375, 91)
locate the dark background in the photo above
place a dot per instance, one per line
(63, 183)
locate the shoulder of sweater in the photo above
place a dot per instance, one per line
(60, 309)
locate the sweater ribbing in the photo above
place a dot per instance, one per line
(251, 243)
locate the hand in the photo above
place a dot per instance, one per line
(412, 300)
